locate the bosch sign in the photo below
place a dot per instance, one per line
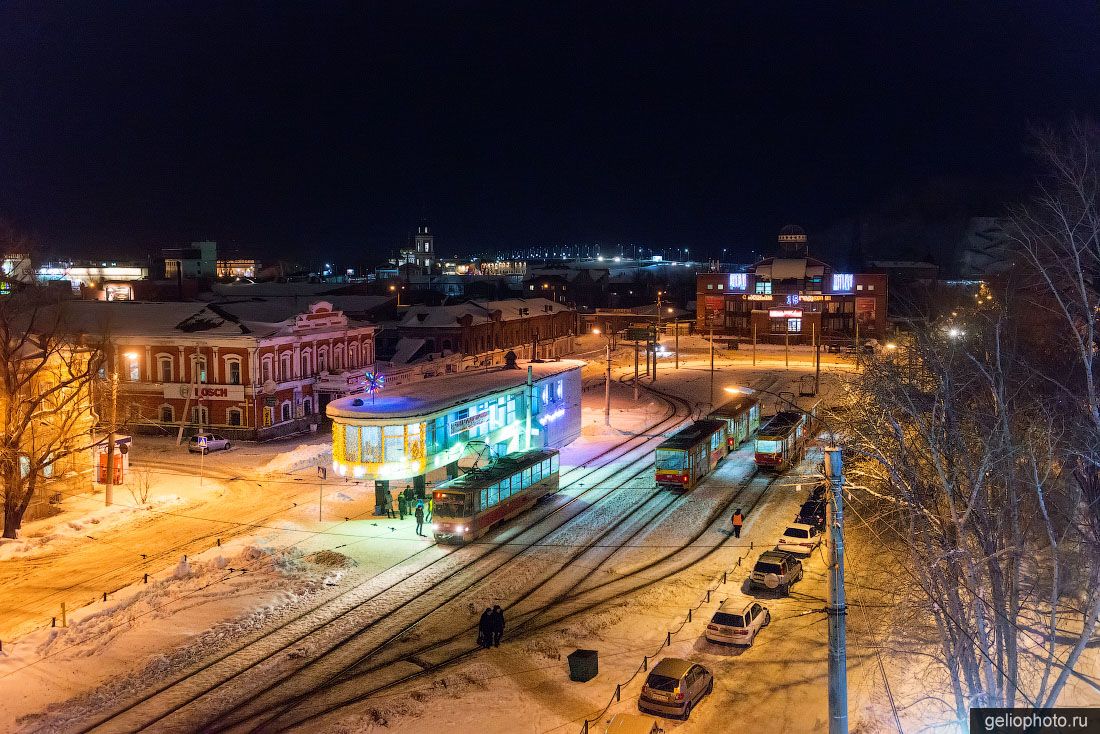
(204, 392)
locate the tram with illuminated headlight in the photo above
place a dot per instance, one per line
(466, 507)
(783, 439)
(690, 454)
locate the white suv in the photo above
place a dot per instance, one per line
(738, 621)
(799, 538)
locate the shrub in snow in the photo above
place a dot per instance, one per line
(183, 570)
(221, 562)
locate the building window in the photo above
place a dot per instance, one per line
(859, 287)
(266, 369)
(778, 325)
(353, 356)
(233, 416)
(710, 286)
(794, 326)
(285, 367)
(338, 358)
(198, 368)
(135, 370)
(164, 368)
(322, 360)
(307, 406)
(200, 415)
(870, 287)
(764, 287)
(167, 414)
(719, 286)
(233, 371)
(286, 410)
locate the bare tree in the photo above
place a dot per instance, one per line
(46, 375)
(967, 455)
(139, 484)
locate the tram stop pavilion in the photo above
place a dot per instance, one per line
(418, 432)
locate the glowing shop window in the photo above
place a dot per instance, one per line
(738, 281)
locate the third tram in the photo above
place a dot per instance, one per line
(690, 454)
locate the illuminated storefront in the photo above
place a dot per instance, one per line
(413, 430)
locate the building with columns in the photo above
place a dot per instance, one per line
(248, 370)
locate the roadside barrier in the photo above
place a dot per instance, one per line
(669, 634)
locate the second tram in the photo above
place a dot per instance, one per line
(690, 454)
(782, 440)
(742, 417)
(466, 507)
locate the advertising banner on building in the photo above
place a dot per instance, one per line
(713, 313)
(465, 424)
(204, 392)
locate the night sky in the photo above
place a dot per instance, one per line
(289, 128)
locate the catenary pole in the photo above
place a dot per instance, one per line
(607, 387)
(837, 609)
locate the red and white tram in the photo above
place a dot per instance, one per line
(466, 507)
(690, 454)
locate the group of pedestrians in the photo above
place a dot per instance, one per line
(402, 503)
(491, 627)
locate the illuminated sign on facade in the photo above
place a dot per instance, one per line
(757, 297)
(738, 281)
(843, 282)
(792, 299)
(551, 417)
(219, 392)
(465, 424)
(785, 313)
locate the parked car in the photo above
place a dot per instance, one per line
(799, 538)
(202, 443)
(738, 621)
(812, 513)
(775, 570)
(674, 687)
(632, 724)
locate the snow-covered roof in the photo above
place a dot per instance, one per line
(789, 268)
(273, 290)
(419, 399)
(480, 312)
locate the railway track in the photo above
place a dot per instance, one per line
(345, 686)
(228, 667)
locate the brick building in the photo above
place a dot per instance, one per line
(477, 327)
(249, 369)
(794, 297)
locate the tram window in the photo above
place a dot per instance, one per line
(494, 495)
(536, 472)
(768, 446)
(554, 463)
(672, 460)
(484, 498)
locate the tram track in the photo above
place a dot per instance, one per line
(205, 679)
(353, 675)
(457, 647)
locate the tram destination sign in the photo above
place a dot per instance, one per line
(465, 424)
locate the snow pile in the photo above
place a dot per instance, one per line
(330, 559)
(300, 457)
(50, 532)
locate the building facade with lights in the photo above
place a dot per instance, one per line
(409, 432)
(248, 370)
(793, 298)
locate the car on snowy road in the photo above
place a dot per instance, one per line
(776, 570)
(799, 538)
(737, 622)
(812, 513)
(205, 442)
(632, 724)
(674, 687)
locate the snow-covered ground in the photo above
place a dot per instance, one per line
(277, 561)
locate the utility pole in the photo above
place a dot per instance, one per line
(837, 609)
(676, 325)
(657, 337)
(635, 369)
(787, 345)
(712, 366)
(817, 359)
(753, 342)
(109, 489)
(607, 388)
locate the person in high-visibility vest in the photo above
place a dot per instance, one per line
(738, 521)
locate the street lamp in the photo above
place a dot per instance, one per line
(837, 608)
(676, 328)
(395, 289)
(606, 382)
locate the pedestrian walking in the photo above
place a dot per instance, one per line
(496, 626)
(738, 521)
(431, 507)
(392, 500)
(420, 519)
(402, 505)
(409, 494)
(484, 628)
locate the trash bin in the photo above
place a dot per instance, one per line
(583, 665)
